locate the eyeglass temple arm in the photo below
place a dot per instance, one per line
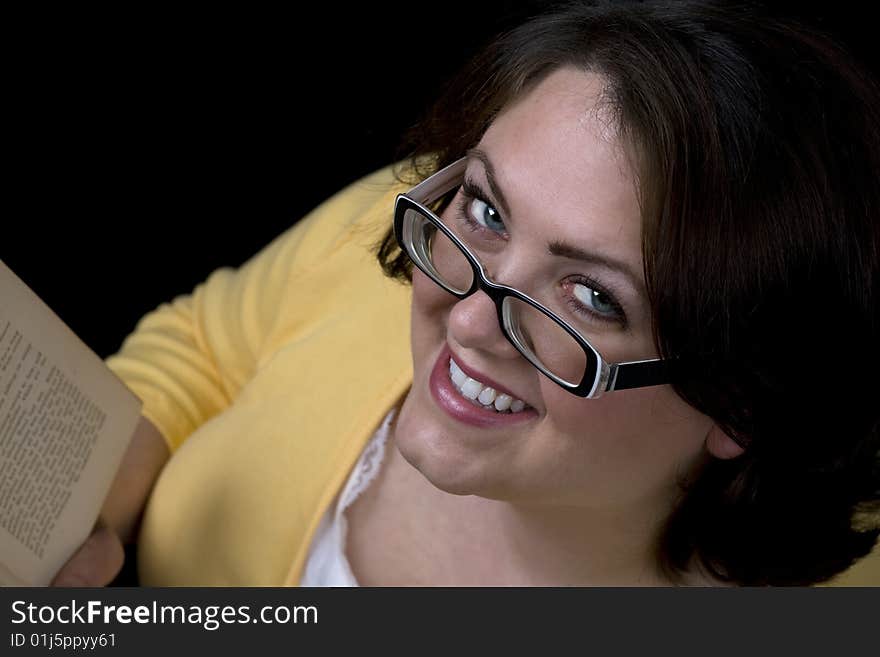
(639, 374)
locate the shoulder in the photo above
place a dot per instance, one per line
(344, 228)
(362, 211)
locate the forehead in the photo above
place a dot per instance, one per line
(561, 165)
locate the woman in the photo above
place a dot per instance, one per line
(624, 368)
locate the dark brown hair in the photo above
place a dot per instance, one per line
(758, 143)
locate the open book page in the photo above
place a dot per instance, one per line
(65, 423)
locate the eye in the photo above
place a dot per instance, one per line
(485, 215)
(596, 301)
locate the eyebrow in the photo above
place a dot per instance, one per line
(564, 250)
(481, 156)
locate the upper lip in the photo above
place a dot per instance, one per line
(482, 378)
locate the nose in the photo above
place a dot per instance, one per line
(473, 323)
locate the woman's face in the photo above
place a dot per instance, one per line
(552, 207)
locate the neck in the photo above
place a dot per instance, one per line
(472, 540)
(557, 545)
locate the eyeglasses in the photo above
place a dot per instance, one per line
(543, 338)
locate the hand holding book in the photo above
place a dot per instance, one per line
(97, 561)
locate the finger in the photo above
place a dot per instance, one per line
(96, 562)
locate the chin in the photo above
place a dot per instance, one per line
(435, 456)
(443, 458)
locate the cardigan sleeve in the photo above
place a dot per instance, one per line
(188, 359)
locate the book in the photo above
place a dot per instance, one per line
(65, 423)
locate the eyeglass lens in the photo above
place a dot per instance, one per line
(541, 340)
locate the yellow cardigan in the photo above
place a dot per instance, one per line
(266, 383)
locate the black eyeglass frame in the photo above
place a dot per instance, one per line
(599, 375)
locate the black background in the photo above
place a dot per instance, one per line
(143, 149)
(148, 150)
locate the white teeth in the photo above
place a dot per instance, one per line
(502, 402)
(486, 396)
(458, 377)
(471, 388)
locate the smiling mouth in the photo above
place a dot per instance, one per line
(482, 395)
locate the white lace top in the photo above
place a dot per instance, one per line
(327, 564)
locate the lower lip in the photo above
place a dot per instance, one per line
(463, 409)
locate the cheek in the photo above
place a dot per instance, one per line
(430, 302)
(430, 308)
(649, 430)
